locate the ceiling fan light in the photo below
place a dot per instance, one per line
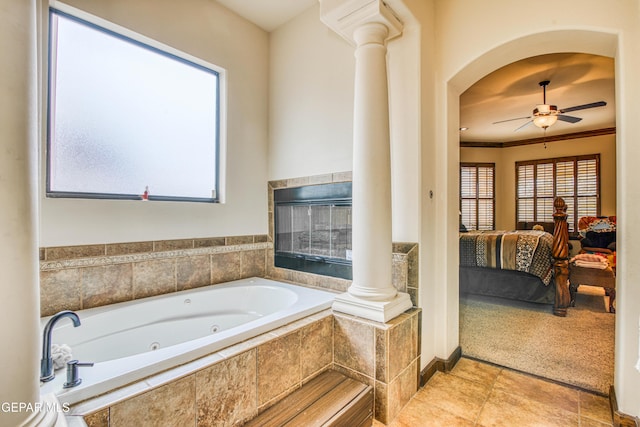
(544, 121)
(543, 108)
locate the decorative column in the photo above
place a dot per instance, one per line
(369, 24)
(20, 304)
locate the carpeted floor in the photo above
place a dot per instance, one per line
(577, 349)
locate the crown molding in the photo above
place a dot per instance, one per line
(546, 139)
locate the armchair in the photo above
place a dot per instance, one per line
(597, 235)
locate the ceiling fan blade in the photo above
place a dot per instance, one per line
(510, 120)
(584, 106)
(570, 119)
(524, 125)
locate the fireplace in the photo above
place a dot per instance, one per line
(313, 229)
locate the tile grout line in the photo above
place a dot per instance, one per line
(493, 384)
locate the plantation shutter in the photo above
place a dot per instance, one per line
(525, 181)
(544, 192)
(485, 198)
(587, 191)
(477, 198)
(468, 193)
(575, 179)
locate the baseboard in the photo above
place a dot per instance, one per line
(620, 419)
(442, 365)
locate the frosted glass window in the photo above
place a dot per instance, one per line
(125, 117)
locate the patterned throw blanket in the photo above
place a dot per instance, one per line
(523, 250)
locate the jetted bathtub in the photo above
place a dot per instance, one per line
(132, 340)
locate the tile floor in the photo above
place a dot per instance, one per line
(479, 394)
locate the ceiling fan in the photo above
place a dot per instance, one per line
(545, 115)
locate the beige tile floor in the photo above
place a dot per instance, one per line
(479, 394)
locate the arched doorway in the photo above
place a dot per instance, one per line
(597, 43)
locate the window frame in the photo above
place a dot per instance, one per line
(151, 45)
(477, 197)
(554, 161)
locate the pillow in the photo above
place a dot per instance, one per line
(598, 240)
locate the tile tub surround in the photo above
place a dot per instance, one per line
(81, 277)
(224, 388)
(233, 385)
(405, 255)
(383, 355)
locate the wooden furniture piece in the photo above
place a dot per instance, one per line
(595, 277)
(549, 261)
(330, 399)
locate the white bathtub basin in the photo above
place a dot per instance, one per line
(132, 340)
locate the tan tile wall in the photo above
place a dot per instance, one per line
(244, 380)
(81, 277)
(239, 383)
(385, 356)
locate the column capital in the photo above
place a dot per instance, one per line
(370, 32)
(345, 16)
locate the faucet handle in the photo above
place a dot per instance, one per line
(72, 373)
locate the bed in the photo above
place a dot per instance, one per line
(526, 265)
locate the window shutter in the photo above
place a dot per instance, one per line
(575, 179)
(525, 181)
(477, 198)
(564, 179)
(525, 191)
(468, 182)
(587, 187)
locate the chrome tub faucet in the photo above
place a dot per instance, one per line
(46, 363)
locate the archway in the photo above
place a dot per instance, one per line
(591, 42)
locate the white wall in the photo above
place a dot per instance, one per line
(311, 109)
(204, 29)
(310, 99)
(18, 213)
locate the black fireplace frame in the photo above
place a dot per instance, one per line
(334, 194)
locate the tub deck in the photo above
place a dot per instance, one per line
(134, 340)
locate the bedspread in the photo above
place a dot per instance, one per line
(529, 251)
